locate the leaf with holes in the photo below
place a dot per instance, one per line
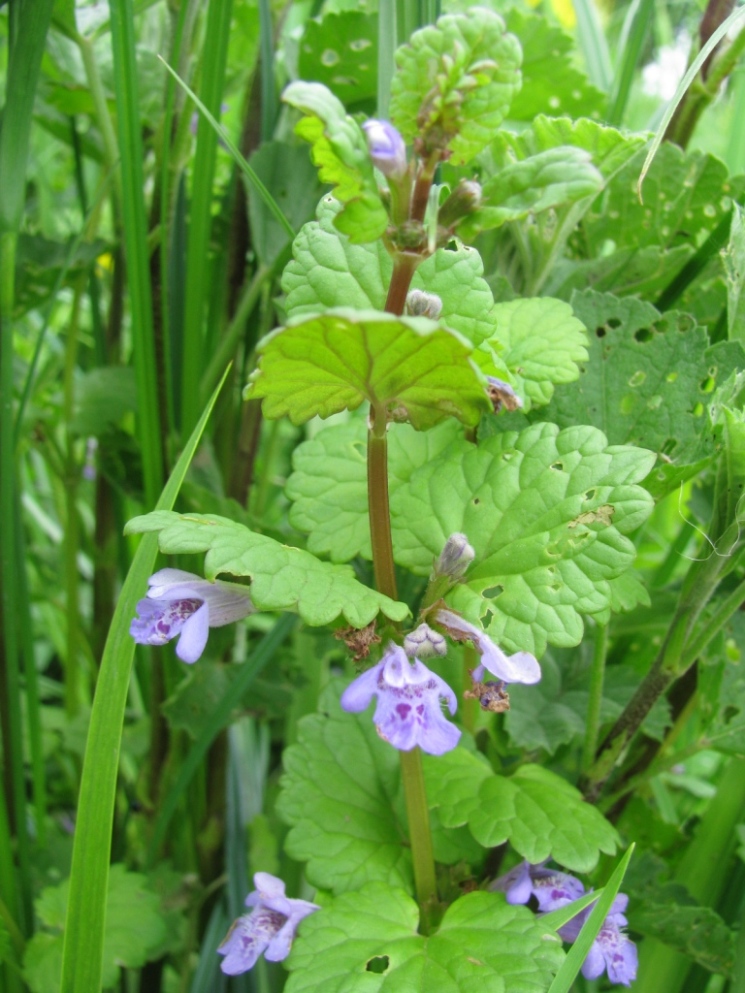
(684, 200)
(369, 941)
(328, 270)
(453, 83)
(282, 578)
(646, 383)
(542, 816)
(341, 51)
(542, 343)
(547, 513)
(339, 149)
(407, 367)
(552, 84)
(328, 485)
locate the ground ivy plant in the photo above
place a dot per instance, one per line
(496, 525)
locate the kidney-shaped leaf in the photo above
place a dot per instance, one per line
(407, 367)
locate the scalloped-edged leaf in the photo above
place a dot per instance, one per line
(547, 180)
(328, 486)
(552, 83)
(282, 578)
(339, 149)
(547, 513)
(368, 942)
(647, 381)
(134, 929)
(454, 81)
(543, 341)
(341, 51)
(538, 812)
(339, 792)
(542, 816)
(407, 366)
(328, 271)
(342, 795)
(684, 200)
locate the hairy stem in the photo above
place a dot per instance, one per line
(420, 835)
(403, 270)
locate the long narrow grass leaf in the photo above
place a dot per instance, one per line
(572, 964)
(691, 72)
(635, 30)
(592, 44)
(136, 247)
(84, 929)
(253, 179)
(386, 48)
(214, 59)
(268, 91)
(219, 717)
(696, 264)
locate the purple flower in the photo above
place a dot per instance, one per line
(269, 928)
(612, 950)
(387, 148)
(551, 888)
(179, 602)
(522, 667)
(408, 711)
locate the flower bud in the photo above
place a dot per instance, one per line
(455, 557)
(424, 643)
(465, 198)
(387, 148)
(421, 304)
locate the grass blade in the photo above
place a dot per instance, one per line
(593, 45)
(234, 151)
(691, 72)
(84, 930)
(268, 92)
(215, 51)
(578, 953)
(633, 36)
(136, 247)
(386, 47)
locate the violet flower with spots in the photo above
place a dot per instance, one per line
(550, 887)
(269, 928)
(181, 603)
(424, 643)
(387, 148)
(522, 667)
(612, 950)
(408, 712)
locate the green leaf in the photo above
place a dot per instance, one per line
(454, 82)
(328, 271)
(282, 578)
(684, 200)
(646, 381)
(134, 929)
(551, 81)
(538, 812)
(547, 180)
(102, 398)
(341, 51)
(328, 486)
(543, 342)
(734, 266)
(368, 941)
(291, 180)
(339, 149)
(339, 792)
(546, 512)
(408, 367)
(554, 712)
